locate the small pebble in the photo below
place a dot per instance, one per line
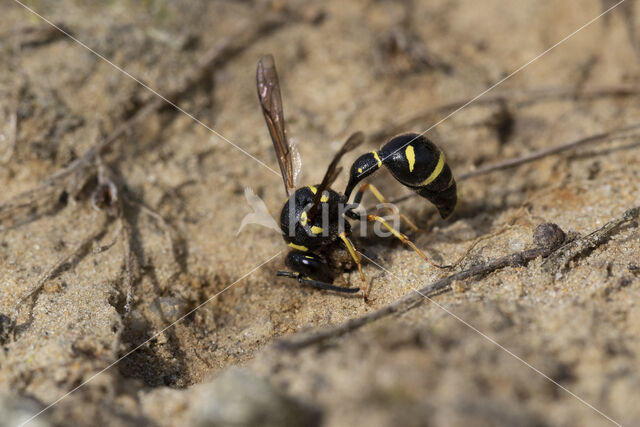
(548, 235)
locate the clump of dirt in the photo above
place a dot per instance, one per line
(524, 345)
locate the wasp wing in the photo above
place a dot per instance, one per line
(333, 170)
(296, 160)
(271, 103)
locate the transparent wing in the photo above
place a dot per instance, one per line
(333, 170)
(260, 214)
(271, 103)
(296, 161)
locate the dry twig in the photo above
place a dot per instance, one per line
(517, 97)
(537, 155)
(499, 231)
(34, 35)
(108, 198)
(582, 246)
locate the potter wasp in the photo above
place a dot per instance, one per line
(314, 219)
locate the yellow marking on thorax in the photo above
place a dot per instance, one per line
(411, 157)
(316, 230)
(298, 247)
(436, 172)
(324, 198)
(359, 170)
(375, 154)
(313, 189)
(303, 218)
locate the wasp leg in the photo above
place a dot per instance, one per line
(404, 239)
(382, 199)
(356, 258)
(315, 283)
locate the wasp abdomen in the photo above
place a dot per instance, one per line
(417, 163)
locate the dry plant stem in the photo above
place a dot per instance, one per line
(11, 143)
(501, 230)
(128, 264)
(108, 198)
(582, 246)
(104, 248)
(12, 128)
(214, 57)
(167, 230)
(34, 35)
(536, 155)
(125, 232)
(517, 97)
(116, 207)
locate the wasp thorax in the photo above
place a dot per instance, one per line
(300, 230)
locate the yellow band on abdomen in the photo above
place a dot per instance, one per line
(436, 172)
(375, 154)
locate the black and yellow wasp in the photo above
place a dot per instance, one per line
(313, 219)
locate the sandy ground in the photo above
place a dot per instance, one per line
(344, 66)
